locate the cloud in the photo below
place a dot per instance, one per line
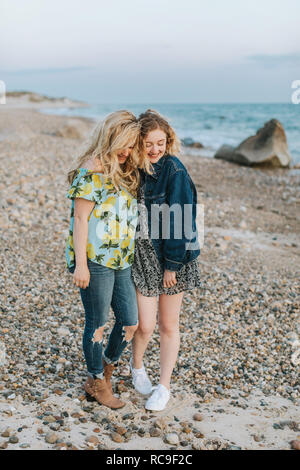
(276, 60)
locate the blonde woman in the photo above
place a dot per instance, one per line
(165, 263)
(100, 246)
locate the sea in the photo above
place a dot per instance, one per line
(210, 124)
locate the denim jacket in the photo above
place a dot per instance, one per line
(175, 237)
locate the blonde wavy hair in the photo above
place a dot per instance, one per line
(118, 131)
(151, 120)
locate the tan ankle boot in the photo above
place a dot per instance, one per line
(108, 370)
(97, 389)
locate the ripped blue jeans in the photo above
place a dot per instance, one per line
(107, 288)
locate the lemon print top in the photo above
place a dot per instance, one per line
(111, 223)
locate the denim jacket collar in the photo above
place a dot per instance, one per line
(158, 166)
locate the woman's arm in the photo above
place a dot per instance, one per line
(82, 210)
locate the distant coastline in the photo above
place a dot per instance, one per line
(29, 99)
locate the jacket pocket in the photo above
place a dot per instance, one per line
(156, 198)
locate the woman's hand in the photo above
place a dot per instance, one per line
(81, 276)
(169, 278)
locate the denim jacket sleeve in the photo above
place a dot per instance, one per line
(175, 247)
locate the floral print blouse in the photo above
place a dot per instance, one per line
(111, 223)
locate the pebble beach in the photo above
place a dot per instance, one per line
(236, 383)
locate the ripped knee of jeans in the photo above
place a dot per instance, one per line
(129, 332)
(98, 335)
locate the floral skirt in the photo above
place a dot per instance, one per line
(148, 273)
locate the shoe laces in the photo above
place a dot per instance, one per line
(140, 371)
(160, 391)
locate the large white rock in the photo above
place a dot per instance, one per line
(268, 147)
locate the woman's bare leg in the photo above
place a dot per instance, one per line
(147, 307)
(169, 309)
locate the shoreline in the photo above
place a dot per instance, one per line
(238, 332)
(42, 103)
(257, 422)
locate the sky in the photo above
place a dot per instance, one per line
(159, 51)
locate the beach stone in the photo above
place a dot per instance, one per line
(13, 440)
(267, 147)
(128, 416)
(121, 388)
(197, 145)
(295, 444)
(54, 426)
(184, 443)
(25, 445)
(172, 438)
(186, 429)
(6, 433)
(61, 446)
(278, 425)
(116, 437)
(92, 440)
(258, 438)
(50, 419)
(294, 426)
(189, 142)
(51, 437)
(160, 423)
(197, 417)
(120, 430)
(154, 432)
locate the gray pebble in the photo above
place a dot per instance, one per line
(172, 438)
(51, 437)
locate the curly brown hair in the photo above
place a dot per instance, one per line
(151, 120)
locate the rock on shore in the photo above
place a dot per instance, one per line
(267, 147)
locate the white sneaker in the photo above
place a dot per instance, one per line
(140, 380)
(158, 399)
